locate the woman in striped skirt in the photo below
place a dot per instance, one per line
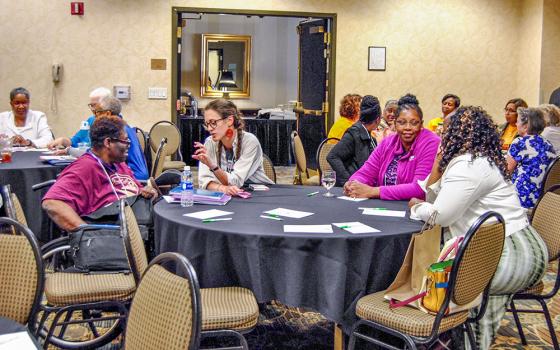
(475, 181)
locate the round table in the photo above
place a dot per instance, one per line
(26, 170)
(8, 326)
(327, 272)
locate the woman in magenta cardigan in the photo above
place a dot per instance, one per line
(393, 169)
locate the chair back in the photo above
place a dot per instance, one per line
(299, 153)
(477, 259)
(552, 176)
(159, 158)
(166, 310)
(141, 136)
(12, 205)
(268, 167)
(134, 244)
(165, 129)
(323, 151)
(547, 221)
(21, 273)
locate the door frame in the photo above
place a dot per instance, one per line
(175, 73)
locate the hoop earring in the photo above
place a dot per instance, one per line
(229, 133)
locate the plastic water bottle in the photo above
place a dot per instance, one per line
(187, 189)
(84, 131)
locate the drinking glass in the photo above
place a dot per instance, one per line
(5, 149)
(328, 179)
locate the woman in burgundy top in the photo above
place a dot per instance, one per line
(393, 169)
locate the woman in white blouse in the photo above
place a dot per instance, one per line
(24, 126)
(231, 156)
(474, 181)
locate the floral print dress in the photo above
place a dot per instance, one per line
(533, 155)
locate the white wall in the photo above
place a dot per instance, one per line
(274, 56)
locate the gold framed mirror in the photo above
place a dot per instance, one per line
(226, 66)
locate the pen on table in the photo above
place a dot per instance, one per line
(345, 226)
(214, 220)
(272, 217)
(312, 193)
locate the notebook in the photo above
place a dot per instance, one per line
(202, 196)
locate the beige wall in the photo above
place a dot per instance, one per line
(469, 47)
(550, 68)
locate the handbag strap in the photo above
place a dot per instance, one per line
(453, 247)
(396, 304)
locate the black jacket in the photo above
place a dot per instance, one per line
(351, 152)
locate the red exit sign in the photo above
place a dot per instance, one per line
(77, 8)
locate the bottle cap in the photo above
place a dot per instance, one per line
(187, 167)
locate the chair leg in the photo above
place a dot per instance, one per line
(518, 323)
(550, 325)
(470, 334)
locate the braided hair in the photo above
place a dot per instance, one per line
(472, 130)
(226, 108)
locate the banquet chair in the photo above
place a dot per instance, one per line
(159, 131)
(12, 205)
(552, 176)
(268, 167)
(304, 176)
(323, 151)
(91, 294)
(166, 310)
(467, 280)
(158, 159)
(21, 273)
(142, 140)
(546, 221)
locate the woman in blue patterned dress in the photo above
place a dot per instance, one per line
(529, 156)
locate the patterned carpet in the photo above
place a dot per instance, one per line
(283, 327)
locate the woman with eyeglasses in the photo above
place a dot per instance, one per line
(393, 169)
(230, 157)
(508, 130)
(23, 126)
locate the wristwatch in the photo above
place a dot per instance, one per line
(214, 168)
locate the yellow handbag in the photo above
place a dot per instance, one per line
(436, 285)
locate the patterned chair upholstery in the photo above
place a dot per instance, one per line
(168, 130)
(269, 168)
(304, 176)
(323, 151)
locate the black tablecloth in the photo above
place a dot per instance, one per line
(26, 170)
(274, 136)
(9, 326)
(326, 272)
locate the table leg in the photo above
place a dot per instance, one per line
(338, 338)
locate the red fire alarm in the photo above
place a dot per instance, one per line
(77, 8)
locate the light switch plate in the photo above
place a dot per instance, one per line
(157, 93)
(122, 92)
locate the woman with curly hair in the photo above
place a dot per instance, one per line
(529, 156)
(474, 181)
(393, 169)
(349, 114)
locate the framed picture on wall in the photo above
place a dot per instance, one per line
(376, 57)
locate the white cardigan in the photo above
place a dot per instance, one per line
(470, 189)
(35, 129)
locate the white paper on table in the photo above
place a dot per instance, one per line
(288, 213)
(18, 340)
(170, 199)
(36, 150)
(355, 227)
(346, 198)
(308, 228)
(383, 212)
(208, 214)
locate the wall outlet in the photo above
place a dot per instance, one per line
(157, 93)
(122, 92)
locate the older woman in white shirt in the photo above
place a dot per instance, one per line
(475, 181)
(24, 126)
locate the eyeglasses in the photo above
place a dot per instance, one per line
(412, 123)
(124, 142)
(100, 111)
(212, 123)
